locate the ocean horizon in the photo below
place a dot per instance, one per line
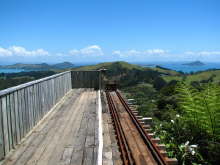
(177, 66)
(13, 70)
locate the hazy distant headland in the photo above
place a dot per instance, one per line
(42, 66)
(194, 63)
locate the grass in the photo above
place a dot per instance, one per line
(205, 76)
(200, 76)
(167, 71)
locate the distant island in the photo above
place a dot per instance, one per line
(195, 63)
(42, 66)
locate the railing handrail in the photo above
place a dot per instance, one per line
(85, 70)
(21, 86)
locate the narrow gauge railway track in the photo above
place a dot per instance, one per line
(124, 148)
(135, 144)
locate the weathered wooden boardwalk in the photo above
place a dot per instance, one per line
(68, 134)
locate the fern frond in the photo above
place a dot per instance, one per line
(201, 107)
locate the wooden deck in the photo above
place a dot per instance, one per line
(67, 135)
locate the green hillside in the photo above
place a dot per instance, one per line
(213, 75)
(166, 71)
(130, 74)
(110, 66)
(203, 77)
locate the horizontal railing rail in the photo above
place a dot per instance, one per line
(23, 106)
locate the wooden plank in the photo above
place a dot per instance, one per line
(69, 134)
(58, 138)
(107, 150)
(2, 153)
(31, 113)
(32, 106)
(20, 120)
(81, 152)
(8, 109)
(90, 146)
(27, 112)
(37, 103)
(13, 121)
(5, 124)
(17, 126)
(23, 111)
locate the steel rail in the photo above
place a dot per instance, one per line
(151, 146)
(124, 148)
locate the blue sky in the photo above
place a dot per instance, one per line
(107, 30)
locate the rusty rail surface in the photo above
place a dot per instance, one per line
(151, 146)
(126, 152)
(124, 148)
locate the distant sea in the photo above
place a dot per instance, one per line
(184, 68)
(12, 70)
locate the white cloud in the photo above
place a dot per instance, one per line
(210, 53)
(203, 53)
(155, 51)
(133, 52)
(190, 53)
(74, 52)
(5, 52)
(94, 50)
(212, 56)
(116, 52)
(136, 53)
(21, 51)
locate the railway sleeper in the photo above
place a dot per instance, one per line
(146, 126)
(155, 140)
(148, 130)
(151, 135)
(163, 153)
(134, 111)
(161, 146)
(171, 161)
(139, 117)
(147, 120)
(141, 122)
